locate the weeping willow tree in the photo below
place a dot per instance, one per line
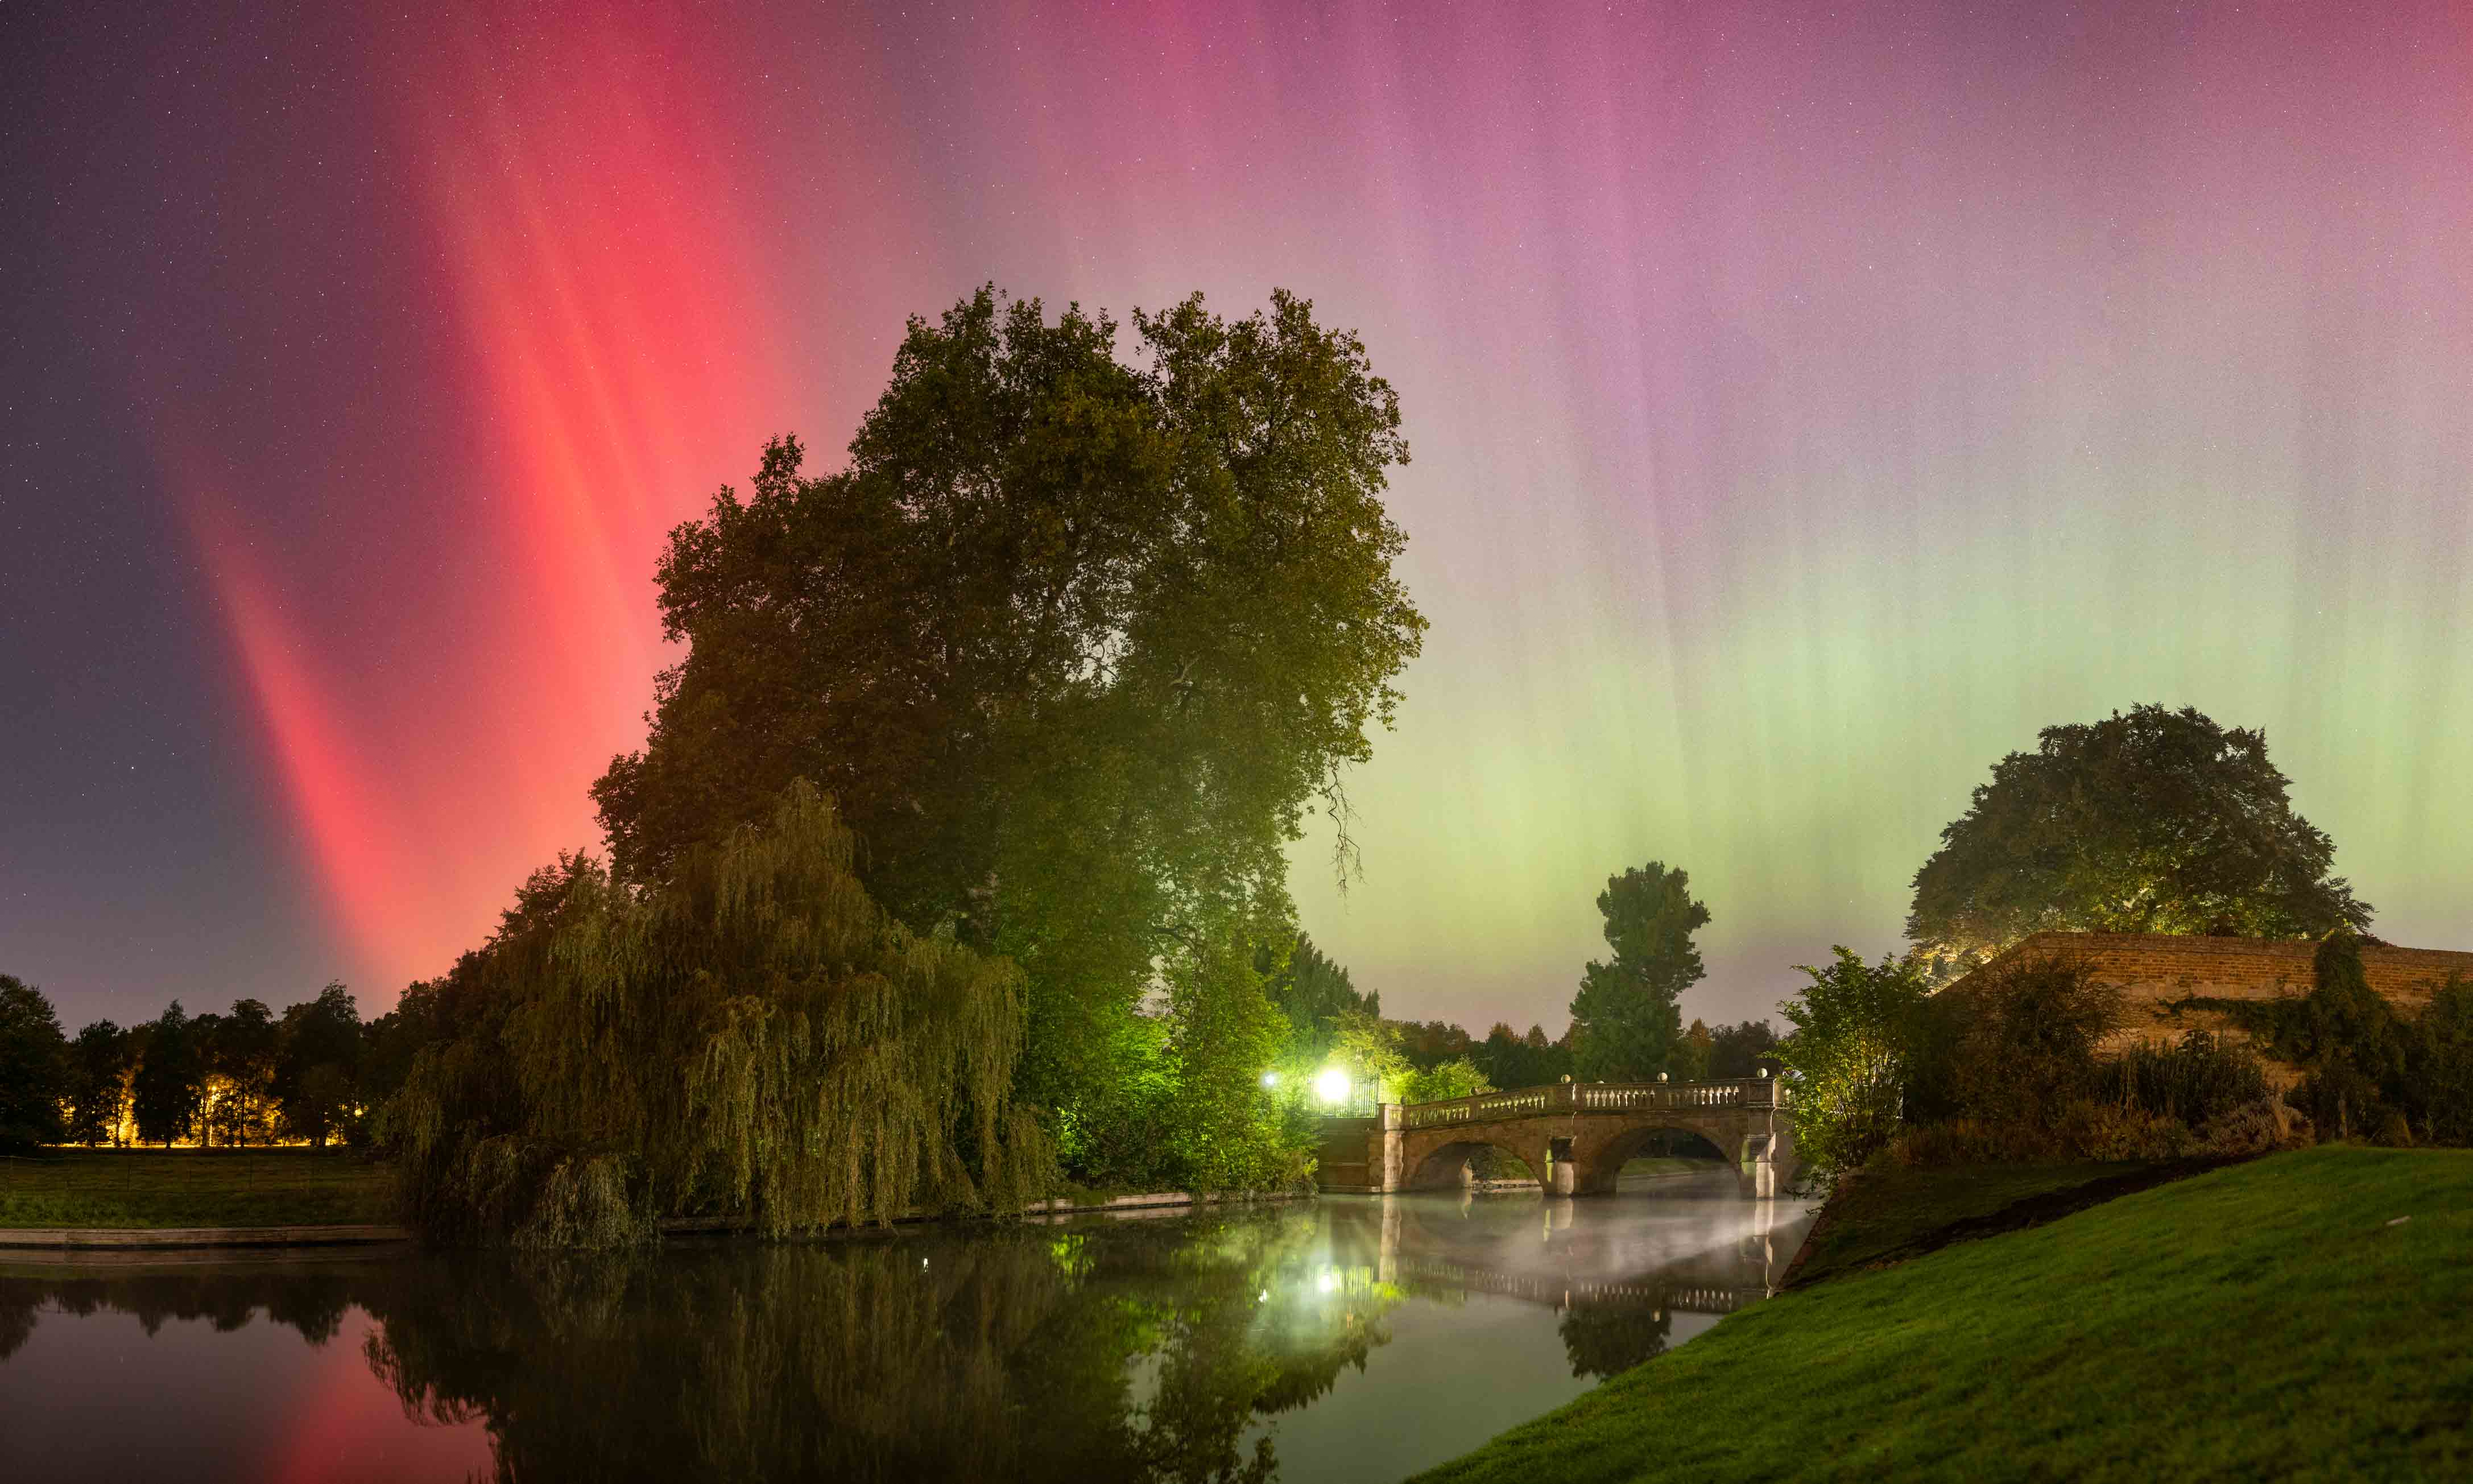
(750, 1038)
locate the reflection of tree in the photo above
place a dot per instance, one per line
(1021, 1354)
(1145, 1352)
(310, 1300)
(1605, 1338)
(16, 1321)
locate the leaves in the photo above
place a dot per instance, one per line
(1627, 1012)
(33, 1065)
(1856, 1033)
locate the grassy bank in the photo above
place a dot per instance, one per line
(2269, 1320)
(273, 1187)
(1888, 1216)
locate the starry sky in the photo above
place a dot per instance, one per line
(1807, 405)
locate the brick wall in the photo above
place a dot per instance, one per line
(2151, 968)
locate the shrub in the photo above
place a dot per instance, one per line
(2196, 1081)
(1950, 1141)
(1858, 1030)
(2081, 1128)
(2090, 1130)
(2440, 1082)
(2025, 1038)
(2261, 1126)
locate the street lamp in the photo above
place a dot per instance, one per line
(1332, 1086)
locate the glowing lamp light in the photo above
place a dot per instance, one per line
(1332, 1086)
(1270, 1079)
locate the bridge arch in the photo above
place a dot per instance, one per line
(1444, 1166)
(1665, 1139)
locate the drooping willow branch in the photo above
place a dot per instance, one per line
(752, 1037)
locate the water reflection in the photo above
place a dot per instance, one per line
(1245, 1345)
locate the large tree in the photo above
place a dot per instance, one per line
(1073, 643)
(98, 1087)
(317, 1063)
(1628, 1012)
(240, 1050)
(34, 1067)
(169, 1087)
(2155, 822)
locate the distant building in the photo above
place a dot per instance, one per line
(2153, 970)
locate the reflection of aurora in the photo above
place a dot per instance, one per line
(1158, 1350)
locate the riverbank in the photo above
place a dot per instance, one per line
(97, 1199)
(2281, 1318)
(1882, 1217)
(151, 1190)
(75, 1200)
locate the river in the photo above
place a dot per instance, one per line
(1349, 1337)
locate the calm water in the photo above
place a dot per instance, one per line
(1352, 1338)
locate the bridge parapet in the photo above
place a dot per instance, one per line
(1484, 1107)
(1595, 1097)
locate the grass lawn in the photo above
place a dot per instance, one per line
(2268, 1320)
(189, 1187)
(1660, 1166)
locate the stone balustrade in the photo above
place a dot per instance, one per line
(1595, 1097)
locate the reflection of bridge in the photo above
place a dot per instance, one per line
(1574, 1136)
(1570, 1293)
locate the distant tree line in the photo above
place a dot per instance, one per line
(247, 1076)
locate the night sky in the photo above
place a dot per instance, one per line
(1805, 408)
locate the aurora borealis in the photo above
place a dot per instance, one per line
(1805, 408)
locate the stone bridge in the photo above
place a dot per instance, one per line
(1574, 1136)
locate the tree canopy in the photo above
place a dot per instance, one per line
(169, 1086)
(34, 1066)
(2154, 822)
(98, 1086)
(1073, 644)
(1511, 1058)
(1312, 992)
(318, 1063)
(1628, 1011)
